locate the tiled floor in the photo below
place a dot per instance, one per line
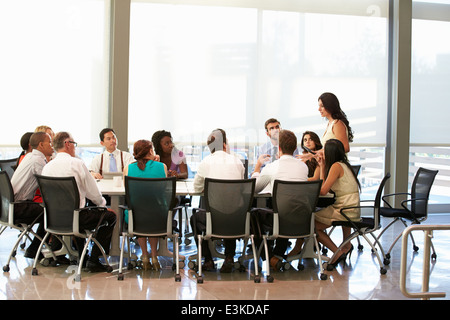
(358, 280)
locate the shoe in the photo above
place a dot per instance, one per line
(31, 254)
(208, 266)
(275, 264)
(341, 258)
(155, 263)
(95, 266)
(146, 265)
(227, 266)
(349, 253)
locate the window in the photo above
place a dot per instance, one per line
(54, 67)
(194, 68)
(430, 80)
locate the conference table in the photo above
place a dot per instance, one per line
(115, 189)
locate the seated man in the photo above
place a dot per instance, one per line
(112, 159)
(287, 167)
(270, 148)
(24, 184)
(218, 165)
(66, 164)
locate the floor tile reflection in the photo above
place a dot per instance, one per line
(358, 279)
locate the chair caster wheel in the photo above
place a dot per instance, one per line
(200, 280)
(360, 247)
(433, 256)
(120, 276)
(323, 276)
(177, 278)
(386, 262)
(109, 269)
(383, 270)
(6, 268)
(415, 248)
(270, 279)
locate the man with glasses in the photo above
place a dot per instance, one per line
(24, 185)
(112, 159)
(66, 164)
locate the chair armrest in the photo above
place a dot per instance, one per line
(404, 205)
(391, 195)
(355, 207)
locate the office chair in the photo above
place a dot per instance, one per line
(150, 205)
(294, 203)
(365, 226)
(227, 205)
(61, 217)
(8, 219)
(8, 165)
(414, 209)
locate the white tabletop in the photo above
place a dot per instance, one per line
(116, 188)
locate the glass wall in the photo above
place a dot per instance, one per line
(54, 68)
(194, 68)
(430, 81)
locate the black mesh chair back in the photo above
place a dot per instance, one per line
(6, 194)
(228, 201)
(420, 190)
(61, 197)
(356, 168)
(150, 200)
(9, 166)
(378, 199)
(295, 202)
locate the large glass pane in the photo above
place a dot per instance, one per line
(54, 66)
(430, 82)
(195, 68)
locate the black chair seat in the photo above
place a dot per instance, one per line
(398, 212)
(365, 222)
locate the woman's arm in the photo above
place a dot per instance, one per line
(340, 131)
(335, 173)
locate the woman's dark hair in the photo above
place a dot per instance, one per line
(141, 149)
(156, 139)
(334, 152)
(331, 104)
(312, 163)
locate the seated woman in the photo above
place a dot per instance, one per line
(173, 158)
(311, 141)
(337, 174)
(146, 166)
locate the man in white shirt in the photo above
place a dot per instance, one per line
(220, 164)
(66, 164)
(112, 159)
(287, 167)
(24, 185)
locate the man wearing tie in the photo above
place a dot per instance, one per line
(112, 159)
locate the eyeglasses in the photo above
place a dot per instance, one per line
(74, 143)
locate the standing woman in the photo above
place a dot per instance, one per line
(173, 158)
(338, 125)
(146, 166)
(338, 176)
